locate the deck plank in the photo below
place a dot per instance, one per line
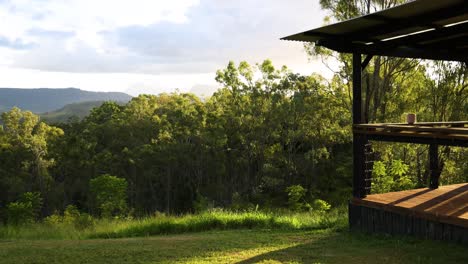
(447, 204)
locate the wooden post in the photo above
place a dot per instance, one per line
(434, 166)
(358, 140)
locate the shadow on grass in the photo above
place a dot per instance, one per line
(351, 247)
(250, 246)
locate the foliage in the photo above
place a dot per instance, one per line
(296, 194)
(55, 226)
(35, 201)
(24, 160)
(320, 206)
(19, 213)
(201, 204)
(436, 91)
(239, 203)
(381, 181)
(71, 218)
(264, 130)
(109, 193)
(25, 210)
(392, 177)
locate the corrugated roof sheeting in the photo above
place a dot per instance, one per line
(424, 29)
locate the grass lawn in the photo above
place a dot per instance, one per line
(236, 246)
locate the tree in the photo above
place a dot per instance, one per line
(25, 161)
(383, 76)
(26, 209)
(436, 91)
(109, 195)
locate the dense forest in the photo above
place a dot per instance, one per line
(267, 137)
(265, 131)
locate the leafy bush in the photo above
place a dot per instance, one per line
(320, 206)
(54, 219)
(296, 194)
(35, 199)
(109, 193)
(25, 210)
(19, 213)
(80, 221)
(70, 214)
(71, 217)
(392, 177)
(201, 204)
(381, 181)
(238, 203)
(84, 221)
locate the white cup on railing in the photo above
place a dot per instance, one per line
(411, 118)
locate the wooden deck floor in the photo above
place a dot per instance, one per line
(448, 204)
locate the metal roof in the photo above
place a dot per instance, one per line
(426, 29)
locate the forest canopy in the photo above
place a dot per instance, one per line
(266, 132)
(267, 138)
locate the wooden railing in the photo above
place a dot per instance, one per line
(440, 133)
(430, 133)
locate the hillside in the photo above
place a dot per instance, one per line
(45, 100)
(63, 114)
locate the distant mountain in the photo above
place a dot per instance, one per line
(46, 100)
(79, 110)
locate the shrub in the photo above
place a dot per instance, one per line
(382, 182)
(71, 217)
(33, 198)
(320, 206)
(240, 204)
(109, 195)
(391, 177)
(54, 219)
(296, 195)
(19, 213)
(84, 221)
(200, 204)
(26, 209)
(70, 214)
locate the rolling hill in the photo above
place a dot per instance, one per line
(79, 110)
(44, 100)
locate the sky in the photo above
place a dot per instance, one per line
(147, 46)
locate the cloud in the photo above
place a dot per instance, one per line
(218, 31)
(168, 39)
(17, 44)
(56, 34)
(85, 17)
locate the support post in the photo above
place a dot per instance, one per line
(366, 61)
(358, 140)
(434, 166)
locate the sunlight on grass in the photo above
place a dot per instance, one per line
(224, 220)
(237, 246)
(162, 224)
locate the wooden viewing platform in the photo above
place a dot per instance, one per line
(429, 213)
(420, 29)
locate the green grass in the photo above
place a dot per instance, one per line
(236, 246)
(157, 225)
(219, 237)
